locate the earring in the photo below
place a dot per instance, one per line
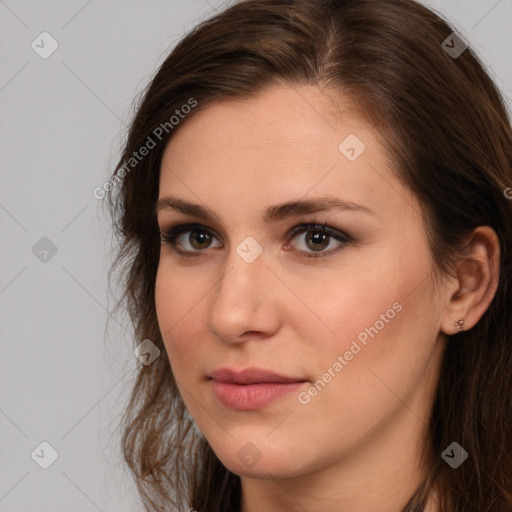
(459, 324)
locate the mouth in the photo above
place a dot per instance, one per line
(251, 388)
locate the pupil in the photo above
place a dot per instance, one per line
(318, 238)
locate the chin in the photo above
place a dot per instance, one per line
(268, 463)
(264, 470)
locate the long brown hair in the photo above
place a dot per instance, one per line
(446, 125)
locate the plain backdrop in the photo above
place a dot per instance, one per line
(63, 381)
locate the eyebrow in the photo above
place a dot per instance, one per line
(273, 213)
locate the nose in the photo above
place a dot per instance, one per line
(245, 302)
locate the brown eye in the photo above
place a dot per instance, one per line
(199, 239)
(317, 240)
(188, 239)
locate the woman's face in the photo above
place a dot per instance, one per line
(350, 317)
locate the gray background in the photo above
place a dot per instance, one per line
(62, 379)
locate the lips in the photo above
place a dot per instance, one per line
(250, 376)
(251, 388)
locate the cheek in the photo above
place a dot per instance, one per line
(351, 298)
(384, 322)
(360, 321)
(377, 311)
(178, 304)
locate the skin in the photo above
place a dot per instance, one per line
(356, 445)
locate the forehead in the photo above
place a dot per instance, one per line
(278, 119)
(283, 144)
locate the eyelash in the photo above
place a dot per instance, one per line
(171, 233)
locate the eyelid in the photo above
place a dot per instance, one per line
(315, 226)
(179, 227)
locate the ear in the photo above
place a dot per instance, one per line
(476, 283)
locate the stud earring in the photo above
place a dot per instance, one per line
(459, 324)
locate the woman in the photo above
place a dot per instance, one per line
(317, 235)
